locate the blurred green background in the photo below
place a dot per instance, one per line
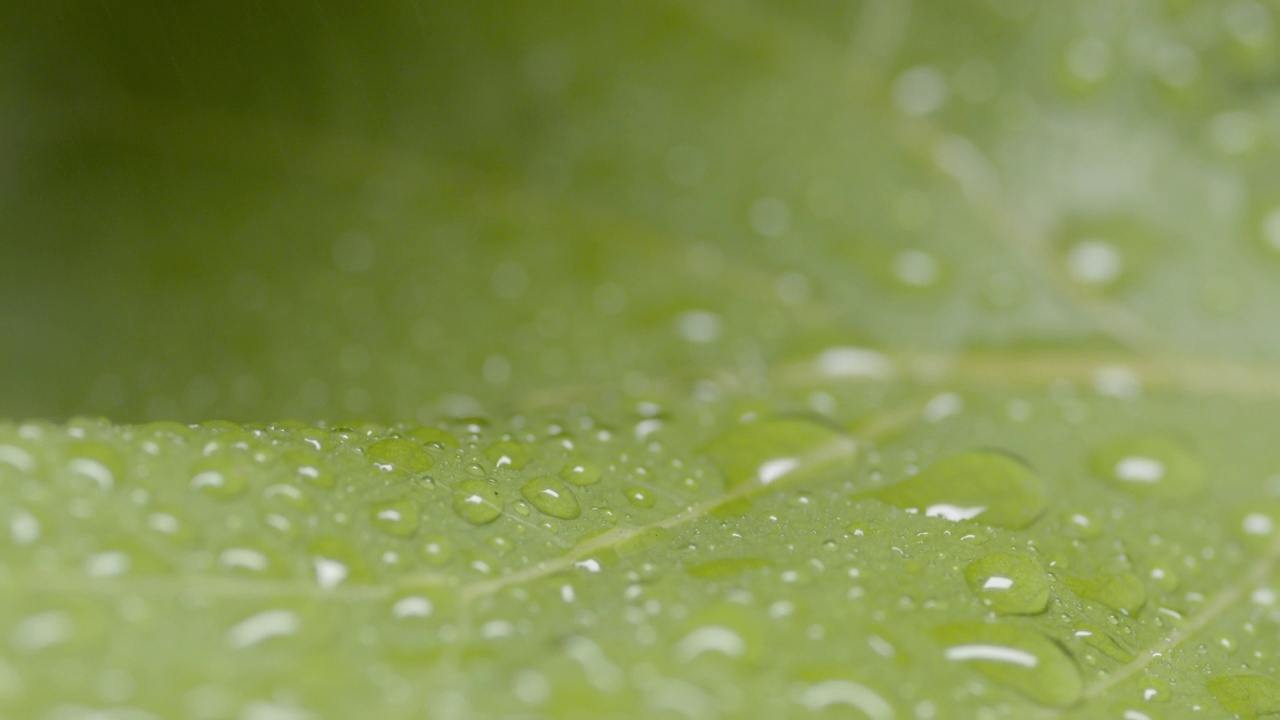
(395, 209)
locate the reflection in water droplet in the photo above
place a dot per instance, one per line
(767, 450)
(1149, 465)
(985, 485)
(1009, 584)
(477, 501)
(1015, 656)
(551, 497)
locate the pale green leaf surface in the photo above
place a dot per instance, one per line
(689, 360)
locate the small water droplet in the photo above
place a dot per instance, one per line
(1015, 656)
(477, 501)
(1149, 465)
(552, 497)
(219, 481)
(1009, 584)
(990, 486)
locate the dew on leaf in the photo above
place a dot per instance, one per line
(1016, 656)
(509, 454)
(1123, 592)
(989, 486)
(1099, 639)
(1149, 466)
(638, 496)
(552, 497)
(1246, 695)
(582, 473)
(1009, 584)
(766, 450)
(401, 454)
(397, 518)
(477, 501)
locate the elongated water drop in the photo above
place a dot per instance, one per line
(552, 497)
(989, 486)
(1009, 584)
(1015, 656)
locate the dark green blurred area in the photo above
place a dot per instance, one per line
(399, 209)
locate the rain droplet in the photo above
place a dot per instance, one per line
(1009, 584)
(552, 497)
(1149, 465)
(397, 518)
(477, 501)
(582, 473)
(990, 486)
(1017, 657)
(766, 450)
(403, 454)
(1122, 592)
(1246, 695)
(506, 453)
(641, 497)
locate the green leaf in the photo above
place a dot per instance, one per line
(669, 359)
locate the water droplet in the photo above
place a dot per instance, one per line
(437, 550)
(1122, 592)
(990, 486)
(219, 481)
(506, 453)
(402, 454)
(258, 628)
(1247, 696)
(582, 473)
(1149, 465)
(552, 497)
(1009, 584)
(397, 518)
(766, 450)
(1017, 657)
(641, 497)
(477, 501)
(1099, 639)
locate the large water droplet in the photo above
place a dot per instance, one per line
(1015, 656)
(1009, 584)
(767, 450)
(402, 454)
(1122, 592)
(477, 501)
(641, 497)
(985, 485)
(1149, 465)
(552, 497)
(1247, 696)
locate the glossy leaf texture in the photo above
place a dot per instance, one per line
(878, 359)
